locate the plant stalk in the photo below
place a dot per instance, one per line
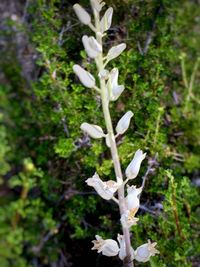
(113, 147)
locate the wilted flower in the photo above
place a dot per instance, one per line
(133, 168)
(94, 131)
(84, 76)
(108, 247)
(122, 245)
(82, 14)
(97, 4)
(92, 47)
(115, 51)
(132, 200)
(124, 122)
(105, 189)
(106, 20)
(115, 90)
(144, 252)
(128, 218)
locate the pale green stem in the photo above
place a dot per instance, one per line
(113, 147)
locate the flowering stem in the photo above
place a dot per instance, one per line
(113, 146)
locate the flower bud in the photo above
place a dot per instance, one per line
(144, 252)
(124, 122)
(105, 189)
(92, 47)
(132, 200)
(92, 130)
(97, 4)
(108, 247)
(82, 14)
(122, 251)
(106, 20)
(115, 51)
(133, 168)
(84, 76)
(115, 90)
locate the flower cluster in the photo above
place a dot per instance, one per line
(110, 90)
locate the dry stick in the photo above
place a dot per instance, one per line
(113, 147)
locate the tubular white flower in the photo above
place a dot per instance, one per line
(115, 51)
(108, 247)
(97, 4)
(144, 252)
(106, 21)
(92, 130)
(122, 245)
(115, 90)
(128, 218)
(124, 122)
(105, 189)
(133, 168)
(132, 200)
(82, 14)
(92, 47)
(84, 76)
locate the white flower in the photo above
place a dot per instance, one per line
(108, 247)
(106, 20)
(122, 245)
(115, 51)
(92, 47)
(115, 90)
(124, 122)
(94, 131)
(144, 252)
(97, 4)
(84, 76)
(132, 200)
(128, 218)
(105, 189)
(133, 168)
(82, 14)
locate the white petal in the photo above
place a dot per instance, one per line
(115, 51)
(94, 44)
(132, 199)
(110, 248)
(122, 245)
(82, 14)
(145, 251)
(90, 52)
(128, 219)
(108, 140)
(133, 168)
(84, 76)
(115, 90)
(124, 122)
(93, 130)
(106, 20)
(97, 4)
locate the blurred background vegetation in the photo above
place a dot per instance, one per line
(48, 216)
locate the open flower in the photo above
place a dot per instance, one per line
(82, 14)
(115, 90)
(92, 47)
(144, 252)
(122, 245)
(108, 247)
(132, 200)
(128, 218)
(133, 168)
(105, 189)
